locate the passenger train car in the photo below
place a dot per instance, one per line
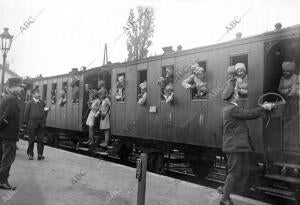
(190, 124)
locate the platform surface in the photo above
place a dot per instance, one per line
(66, 178)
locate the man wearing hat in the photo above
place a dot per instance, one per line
(9, 120)
(35, 118)
(236, 139)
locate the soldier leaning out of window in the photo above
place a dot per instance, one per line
(142, 97)
(289, 82)
(241, 80)
(120, 94)
(196, 80)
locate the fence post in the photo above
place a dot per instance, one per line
(141, 171)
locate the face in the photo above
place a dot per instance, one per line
(287, 74)
(241, 73)
(201, 75)
(36, 95)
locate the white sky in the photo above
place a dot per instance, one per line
(71, 33)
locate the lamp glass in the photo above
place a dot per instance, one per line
(6, 40)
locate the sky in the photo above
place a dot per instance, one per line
(72, 33)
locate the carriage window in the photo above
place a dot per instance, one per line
(198, 81)
(53, 93)
(75, 89)
(142, 87)
(166, 84)
(120, 87)
(63, 94)
(240, 63)
(45, 92)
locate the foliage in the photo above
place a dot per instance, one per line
(139, 31)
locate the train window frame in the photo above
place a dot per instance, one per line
(44, 94)
(53, 85)
(230, 63)
(206, 80)
(163, 74)
(140, 80)
(115, 93)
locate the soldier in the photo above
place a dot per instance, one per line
(9, 123)
(241, 80)
(236, 139)
(35, 119)
(289, 82)
(142, 97)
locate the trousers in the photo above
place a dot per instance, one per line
(36, 133)
(7, 156)
(238, 172)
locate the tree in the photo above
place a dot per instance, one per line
(139, 31)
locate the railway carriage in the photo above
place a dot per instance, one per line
(190, 124)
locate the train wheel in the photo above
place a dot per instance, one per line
(201, 167)
(156, 162)
(124, 151)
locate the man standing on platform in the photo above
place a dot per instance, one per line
(9, 129)
(35, 119)
(236, 139)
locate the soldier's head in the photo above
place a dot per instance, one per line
(143, 87)
(240, 70)
(230, 94)
(100, 84)
(15, 86)
(288, 68)
(36, 94)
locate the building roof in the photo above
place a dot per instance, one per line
(10, 71)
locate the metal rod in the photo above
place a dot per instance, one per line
(142, 182)
(3, 72)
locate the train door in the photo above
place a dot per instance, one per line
(281, 75)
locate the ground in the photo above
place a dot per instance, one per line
(66, 178)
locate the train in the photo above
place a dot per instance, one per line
(189, 124)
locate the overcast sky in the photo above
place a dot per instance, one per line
(72, 33)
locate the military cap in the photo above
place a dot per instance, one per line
(228, 91)
(35, 90)
(288, 66)
(15, 82)
(240, 66)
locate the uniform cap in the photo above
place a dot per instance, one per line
(288, 66)
(240, 66)
(15, 82)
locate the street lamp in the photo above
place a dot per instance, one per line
(6, 40)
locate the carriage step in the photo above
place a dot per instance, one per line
(288, 165)
(292, 180)
(278, 192)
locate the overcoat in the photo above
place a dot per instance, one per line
(235, 130)
(10, 110)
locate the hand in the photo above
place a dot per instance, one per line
(268, 106)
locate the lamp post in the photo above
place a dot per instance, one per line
(6, 40)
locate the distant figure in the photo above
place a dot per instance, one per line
(120, 94)
(63, 98)
(94, 108)
(169, 93)
(142, 97)
(35, 119)
(104, 113)
(241, 80)
(231, 74)
(236, 140)
(196, 81)
(75, 91)
(9, 123)
(289, 82)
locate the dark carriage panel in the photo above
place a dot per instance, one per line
(182, 98)
(142, 112)
(167, 110)
(131, 100)
(154, 72)
(118, 111)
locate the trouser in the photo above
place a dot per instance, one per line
(238, 172)
(38, 133)
(97, 140)
(7, 156)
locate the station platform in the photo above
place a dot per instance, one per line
(66, 178)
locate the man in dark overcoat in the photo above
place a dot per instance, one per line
(35, 119)
(9, 123)
(236, 139)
